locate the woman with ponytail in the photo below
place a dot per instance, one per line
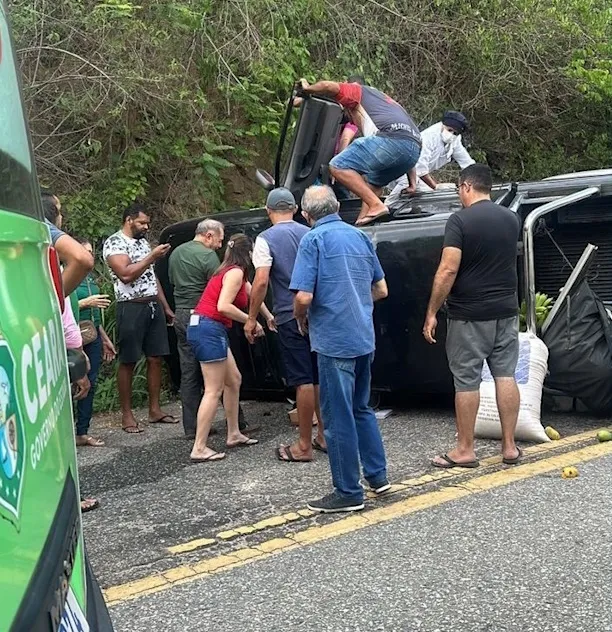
(224, 301)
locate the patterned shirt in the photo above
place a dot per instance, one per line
(136, 249)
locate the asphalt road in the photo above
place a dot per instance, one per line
(530, 555)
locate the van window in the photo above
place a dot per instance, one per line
(19, 191)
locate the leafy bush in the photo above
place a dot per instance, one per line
(177, 99)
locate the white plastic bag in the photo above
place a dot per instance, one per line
(530, 373)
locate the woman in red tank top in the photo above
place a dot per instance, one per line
(223, 301)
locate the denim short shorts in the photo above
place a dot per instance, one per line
(209, 340)
(379, 158)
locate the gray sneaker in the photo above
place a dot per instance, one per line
(381, 487)
(334, 503)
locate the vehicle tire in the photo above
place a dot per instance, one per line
(98, 616)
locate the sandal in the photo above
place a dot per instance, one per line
(165, 419)
(283, 453)
(242, 444)
(515, 460)
(450, 463)
(317, 446)
(215, 456)
(86, 440)
(89, 504)
(133, 429)
(368, 219)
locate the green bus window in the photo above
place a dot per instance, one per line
(19, 191)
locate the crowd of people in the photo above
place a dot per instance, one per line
(325, 277)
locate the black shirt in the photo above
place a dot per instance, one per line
(486, 284)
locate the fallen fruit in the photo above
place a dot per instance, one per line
(604, 435)
(569, 472)
(551, 433)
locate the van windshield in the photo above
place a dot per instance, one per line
(19, 191)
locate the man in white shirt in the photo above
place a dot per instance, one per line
(142, 312)
(441, 144)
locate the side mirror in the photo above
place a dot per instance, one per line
(264, 179)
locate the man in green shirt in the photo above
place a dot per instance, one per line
(190, 267)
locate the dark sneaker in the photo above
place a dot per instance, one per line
(334, 503)
(381, 487)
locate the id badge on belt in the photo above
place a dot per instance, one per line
(194, 320)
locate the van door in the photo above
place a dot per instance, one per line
(313, 144)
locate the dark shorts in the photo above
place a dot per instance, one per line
(300, 362)
(380, 159)
(141, 329)
(470, 343)
(208, 340)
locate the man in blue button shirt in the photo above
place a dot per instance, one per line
(337, 277)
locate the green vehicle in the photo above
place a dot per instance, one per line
(46, 583)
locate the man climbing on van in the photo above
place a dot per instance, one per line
(389, 146)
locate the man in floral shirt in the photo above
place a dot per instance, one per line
(142, 311)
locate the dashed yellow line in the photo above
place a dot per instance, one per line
(314, 534)
(438, 475)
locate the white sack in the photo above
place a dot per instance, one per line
(530, 373)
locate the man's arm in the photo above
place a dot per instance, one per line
(428, 179)
(380, 290)
(258, 291)
(77, 262)
(462, 156)
(324, 88)
(128, 272)
(442, 285)
(161, 297)
(348, 133)
(303, 280)
(301, 303)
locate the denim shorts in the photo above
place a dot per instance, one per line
(379, 158)
(209, 340)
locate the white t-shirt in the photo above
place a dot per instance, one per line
(136, 249)
(262, 257)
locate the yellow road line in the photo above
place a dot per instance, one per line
(438, 475)
(314, 534)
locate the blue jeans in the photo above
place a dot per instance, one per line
(351, 429)
(85, 406)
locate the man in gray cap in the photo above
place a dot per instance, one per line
(274, 256)
(441, 144)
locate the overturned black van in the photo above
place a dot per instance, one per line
(569, 213)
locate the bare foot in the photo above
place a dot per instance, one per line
(207, 454)
(240, 441)
(86, 440)
(453, 458)
(319, 443)
(293, 454)
(374, 213)
(129, 424)
(160, 417)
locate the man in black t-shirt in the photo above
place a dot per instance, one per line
(477, 278)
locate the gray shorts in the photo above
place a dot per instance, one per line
(470, 342)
